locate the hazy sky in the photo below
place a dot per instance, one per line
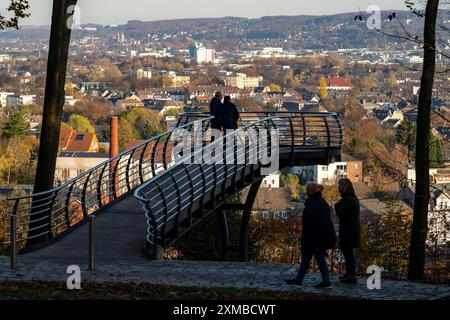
(119, 11)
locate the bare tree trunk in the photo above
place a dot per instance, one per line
(422, 193)
(53, 106)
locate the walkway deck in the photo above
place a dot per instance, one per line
(216, 275)
(120, 259)
(120, 235)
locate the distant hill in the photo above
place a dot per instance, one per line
(308, 32)
(327, 32)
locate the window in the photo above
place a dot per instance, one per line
(79, 137)
(66, 174)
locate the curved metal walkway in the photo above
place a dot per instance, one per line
(179, 177)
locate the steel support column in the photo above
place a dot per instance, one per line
(246, 214)
(222, 234)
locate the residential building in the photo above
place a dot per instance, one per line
(4, 98)
(272, 181)
(389, 117)
(162, 106)
(338, 84)
(209, 91)
(438, 212)
(5, 58)
(372, 208)
(17, 101)
(72, 141)
(438, 176)
(349, 167)
(242, 81)
(201, 54)
(132, 101)
(143, 74)
(70, 165)
(180, 81)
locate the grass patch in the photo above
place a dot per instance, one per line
(118, 291)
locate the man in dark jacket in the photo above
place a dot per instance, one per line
(230, 115)
(318, 235)
(347, 210)
(215, 109)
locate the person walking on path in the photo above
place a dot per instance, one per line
(230, 115)
(347, 210)
(216, 110)
(318, 235)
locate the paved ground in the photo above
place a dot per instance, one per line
(215, 275)
(120, 238)
(120, 235)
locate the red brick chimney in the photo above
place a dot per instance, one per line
(114, 139)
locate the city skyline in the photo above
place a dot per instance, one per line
(90, 13)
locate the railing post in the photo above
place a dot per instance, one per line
(83, 196)
(99, 187)
(13, 231)
(67, 205)
(341, 133)
(92, 243)
(152, 161)
(328, 137)
(127, 171)
(141, 163)
(291, 125)
(304, 130)
(166, 143)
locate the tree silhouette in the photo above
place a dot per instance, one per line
(18, 9)
(53, 107)
(416, 266)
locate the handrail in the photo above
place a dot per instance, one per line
(161, 195)
(51, 214)
(46, 215)
(197, 152)
(187, 124)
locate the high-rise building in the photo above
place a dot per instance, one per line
(121, 38)
(200, 53)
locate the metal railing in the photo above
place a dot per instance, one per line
(48, 215)
(35, 219)
(296, 129)
(168, 198)
(302, 129)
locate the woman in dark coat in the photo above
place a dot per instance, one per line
(318, 235)
(215, 109)
(230, 115)
(347, 210)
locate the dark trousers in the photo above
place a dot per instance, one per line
(350, 262)
(320, 256)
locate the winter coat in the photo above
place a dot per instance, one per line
(318, 231)
(216, 109)
(230, 116)
(347, 210)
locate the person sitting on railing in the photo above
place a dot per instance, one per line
(215, 109)
(230, 115)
